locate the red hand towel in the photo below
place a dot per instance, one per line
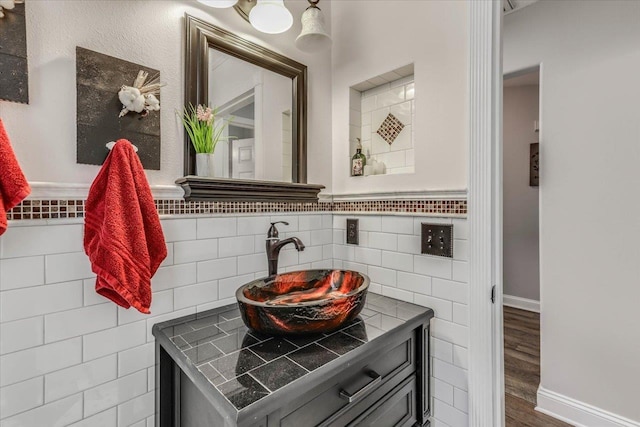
(13, 185)
(122, 233)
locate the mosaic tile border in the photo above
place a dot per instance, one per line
(445, 207)
(61, 209)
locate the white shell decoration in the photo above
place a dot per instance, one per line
(8, 5)
(141, 97)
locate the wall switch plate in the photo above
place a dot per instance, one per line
(437, 239)
(353, 233)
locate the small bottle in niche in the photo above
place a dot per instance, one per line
(358, 161)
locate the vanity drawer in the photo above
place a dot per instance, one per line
(398, 408)
(363, 383)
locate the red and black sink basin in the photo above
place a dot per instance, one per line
(302, 302)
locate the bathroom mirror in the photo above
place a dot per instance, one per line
(264, 95)
(256, 104)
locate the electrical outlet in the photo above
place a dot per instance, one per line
(353, 233)
(437, 239)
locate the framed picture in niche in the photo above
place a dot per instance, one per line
(100, 117)
(534, 164)
(14, 72)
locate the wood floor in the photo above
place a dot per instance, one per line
(522, 369)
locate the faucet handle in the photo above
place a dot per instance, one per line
(273, 231)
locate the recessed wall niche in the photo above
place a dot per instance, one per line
(381, 115)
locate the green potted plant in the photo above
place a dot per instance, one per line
(205, 131)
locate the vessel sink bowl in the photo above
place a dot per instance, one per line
(302, 302)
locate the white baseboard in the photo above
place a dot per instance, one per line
(521, 303)
(578, 413)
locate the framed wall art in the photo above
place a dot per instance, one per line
(14, 72)
(116, 99)
(534, 164)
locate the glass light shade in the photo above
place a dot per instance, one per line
(271, 17)
(219, 3)
(314, 36)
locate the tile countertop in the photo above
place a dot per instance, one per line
(240, 369)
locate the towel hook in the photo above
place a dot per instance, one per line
(110, 145)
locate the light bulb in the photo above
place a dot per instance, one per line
(221, 4)
(271, 17)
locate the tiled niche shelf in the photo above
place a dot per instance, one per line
(382, 116)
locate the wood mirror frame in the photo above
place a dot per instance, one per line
(200, 38)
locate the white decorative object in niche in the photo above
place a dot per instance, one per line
(382, 114)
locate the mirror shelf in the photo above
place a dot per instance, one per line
(226, 190)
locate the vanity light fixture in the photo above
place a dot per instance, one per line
(220, 4)
(267, 16)
(314, 36)
(271, 17)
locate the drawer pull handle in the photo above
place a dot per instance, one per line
(376, 379)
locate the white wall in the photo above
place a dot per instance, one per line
(150, 32)
(590, 124)
(384, 35)
(231, 78)
(520, 204)
(276, 99)
(287, 146)
(389, 253)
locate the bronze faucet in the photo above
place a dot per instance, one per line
(274, 244)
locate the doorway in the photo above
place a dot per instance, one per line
(521, 206)
(520, 233)
(242, 160)
(236, 158)
(521, 256)
(589, 159)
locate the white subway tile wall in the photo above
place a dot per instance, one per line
(389, 253)
(70, 357)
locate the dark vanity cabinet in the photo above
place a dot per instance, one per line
(213, 371)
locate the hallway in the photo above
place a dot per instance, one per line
(522, 369)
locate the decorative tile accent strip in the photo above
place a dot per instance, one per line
(47, 209)
(180, 207)
(390, 128)
(457, 207)
(55, 209)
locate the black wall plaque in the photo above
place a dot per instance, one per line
(14, 73)
(534, 164)
(98, 79)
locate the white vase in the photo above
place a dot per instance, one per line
(212, 165)
(202, 164)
